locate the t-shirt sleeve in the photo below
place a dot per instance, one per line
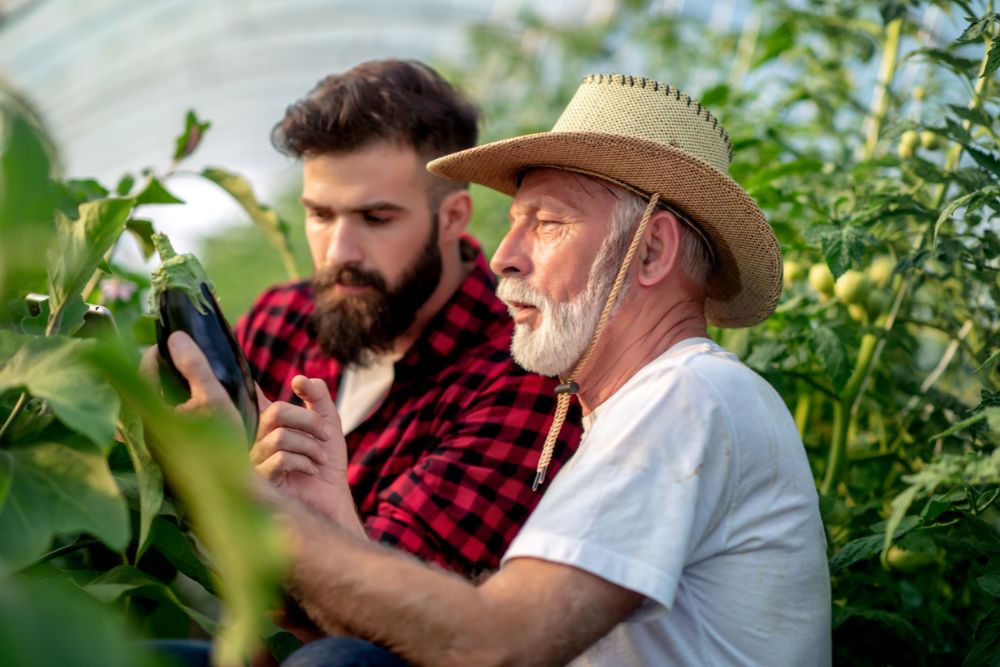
(462, 503)
(649, 483)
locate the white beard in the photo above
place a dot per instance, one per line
(566, 328)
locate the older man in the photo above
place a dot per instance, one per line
(685, 530)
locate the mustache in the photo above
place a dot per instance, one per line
(516, 290)
(349, 276)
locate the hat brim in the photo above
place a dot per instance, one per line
(745, 284)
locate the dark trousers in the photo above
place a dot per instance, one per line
(343, 652)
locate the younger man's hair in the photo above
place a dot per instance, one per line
(401, 101)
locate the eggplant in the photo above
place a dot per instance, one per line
(183, 299)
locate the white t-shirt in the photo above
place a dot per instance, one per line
(363, 389)
(691, 487)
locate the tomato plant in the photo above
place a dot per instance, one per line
(867, 132)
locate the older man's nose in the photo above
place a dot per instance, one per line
(511, 258)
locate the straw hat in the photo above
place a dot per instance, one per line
(651, 138)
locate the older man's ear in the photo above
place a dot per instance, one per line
(659, 250)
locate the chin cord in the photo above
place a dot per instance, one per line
(570, 386)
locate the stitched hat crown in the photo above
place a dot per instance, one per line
(645, 109)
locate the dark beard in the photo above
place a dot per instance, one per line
(351, 328)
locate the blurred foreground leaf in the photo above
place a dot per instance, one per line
(54, 623)
(205, 462)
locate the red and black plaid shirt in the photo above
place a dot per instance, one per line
(443, 469)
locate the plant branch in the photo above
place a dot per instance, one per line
(22, 400)
(887, 70)
(67, 549)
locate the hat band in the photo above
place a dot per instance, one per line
(642, 195)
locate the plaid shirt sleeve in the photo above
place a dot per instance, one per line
(463, 502)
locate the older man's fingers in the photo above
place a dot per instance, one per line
(193, 365)
(289, 441)
(285, 415)
(316, 396)
(277, 466)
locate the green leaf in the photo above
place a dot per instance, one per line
(986, 645)
(125, 184)
(954, 62)
(74, 192)
(191, 137)
(900, 504)
(143, 231)
(992, 58)
(977, 26)
(832, 353)
(965, 200)
(263, 216)
(58, 488)
(178, 548)
(54, 369)
(990, 582)
(128, 581)
(52, 622)
(27, 200)
(5, 474)
(976, 115)
(70, 322)
(983, 159)
(843, 245)
(856, 550)
(148, 474)
(81, 245)
(155, 193)
(899, 624)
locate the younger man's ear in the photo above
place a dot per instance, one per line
(454, 213)
(658, 250)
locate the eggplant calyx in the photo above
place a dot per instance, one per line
(179, 272)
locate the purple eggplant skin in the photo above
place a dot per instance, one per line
(212, 334)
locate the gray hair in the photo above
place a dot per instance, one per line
(695, 256)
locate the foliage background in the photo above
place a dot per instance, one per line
(868, 135)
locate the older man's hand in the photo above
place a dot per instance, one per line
(301, 450)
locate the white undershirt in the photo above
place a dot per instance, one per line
(363, 389)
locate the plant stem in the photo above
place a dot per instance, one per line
(69, 548)
(842, 410)
(887, 70)
(803, 410)
(22, 400)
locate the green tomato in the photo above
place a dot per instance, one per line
(821, 278)
(930, 140)
(880, 270)
(852, 287)
(857, 312)
(792, 273)
(878, 302)
(907, 143)
(906, 560)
